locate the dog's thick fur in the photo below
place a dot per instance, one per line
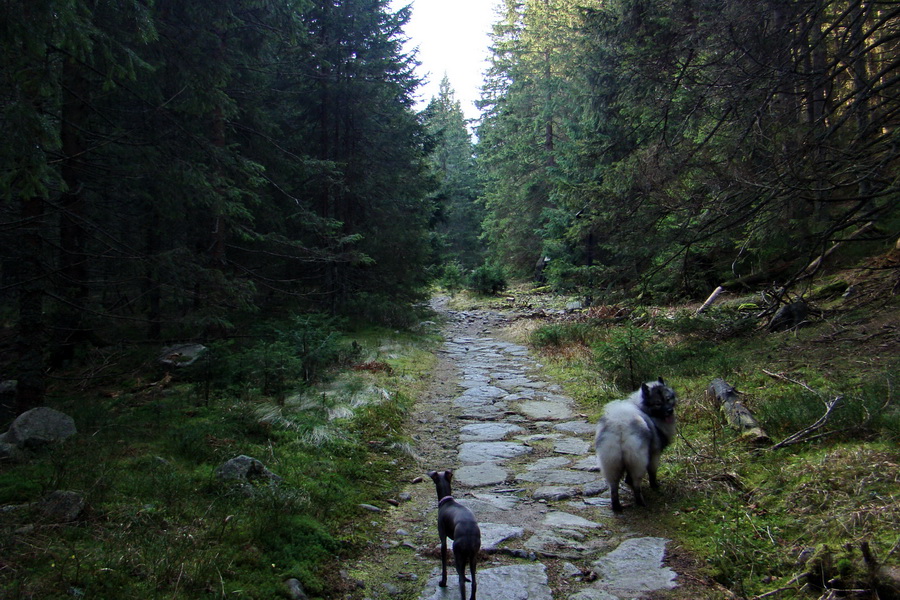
(458, 523)
(632, 434)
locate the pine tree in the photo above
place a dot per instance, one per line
(452, 158)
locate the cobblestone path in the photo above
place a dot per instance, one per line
(524, 465)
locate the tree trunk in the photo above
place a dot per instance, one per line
(69, 321)
(30, 328)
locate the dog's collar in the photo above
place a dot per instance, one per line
(444, 499)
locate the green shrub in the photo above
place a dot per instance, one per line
(452, 277)
(628, 355)
(486, 279)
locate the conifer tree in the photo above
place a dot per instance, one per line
(452, 157)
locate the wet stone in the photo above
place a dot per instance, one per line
(595, 488)
(572, 445)
(483, 412)
(483, 393)
(635, 567)
(564, 520)
(474, 381)
(554, 543)
(488, 432)
(577, 427)
(479, 475)
(552, 462)
(539, 437)
(546, 410)
(497, 501)
(520, 395)
(587, 464)
(479, 452)
(494, 534)
(598, 501)
(557, 476)
(511, 582)
(536, 385)
(555, 493)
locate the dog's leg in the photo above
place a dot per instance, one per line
(472, 562)
(651, 471)
(614, 495)
(460, 560)
(638, 496)
(443, 582)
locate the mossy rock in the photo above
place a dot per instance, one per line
(830, 290)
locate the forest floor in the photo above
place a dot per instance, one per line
(522, 455)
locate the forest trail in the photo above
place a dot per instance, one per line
(524, 464)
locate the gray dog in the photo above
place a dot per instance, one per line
(458, 523)
(632, 434)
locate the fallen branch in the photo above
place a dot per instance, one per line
(812, 267)
(786, 378)
(804, 434)
(709, 301)
(788, 586)
(737, 414)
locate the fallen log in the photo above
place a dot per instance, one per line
(712, 298)
(737, 414)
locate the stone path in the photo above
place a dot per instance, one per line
(524, 465)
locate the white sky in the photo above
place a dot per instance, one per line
(452, 37)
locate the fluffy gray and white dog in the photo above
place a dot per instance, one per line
(632, 434)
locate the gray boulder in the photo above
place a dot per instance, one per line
(245, 468)
(183, 355)
(61, 506)
(39, 426)
(7, 400)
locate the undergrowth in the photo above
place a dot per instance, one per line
(159, 524)
(756, 515)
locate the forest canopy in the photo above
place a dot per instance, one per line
(673, 146)
(169, 168)
(169, 165)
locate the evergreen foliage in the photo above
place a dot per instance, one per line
(666, 147)
(172, 166)
(459, 215)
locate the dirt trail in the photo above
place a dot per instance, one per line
(523, 463)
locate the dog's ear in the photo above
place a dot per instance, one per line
(645, 392)
(433, 475)
(661, 382)
(449, 474)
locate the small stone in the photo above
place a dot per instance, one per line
(570, 570)
(244, 468)
(61, 506)
(295, 589)
(370, 508)
(553, 493)
(391, 589)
